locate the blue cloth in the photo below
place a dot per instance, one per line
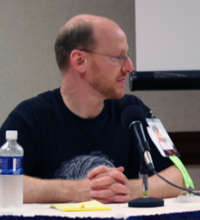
(195, 215)
(59, 144)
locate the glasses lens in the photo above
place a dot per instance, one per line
(123, 58)
(130, 55)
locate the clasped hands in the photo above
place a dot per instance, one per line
(108, 184)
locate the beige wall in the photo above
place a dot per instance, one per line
(194, 172)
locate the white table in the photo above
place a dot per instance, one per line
(118, 210)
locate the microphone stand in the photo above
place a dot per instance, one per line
(145, 201)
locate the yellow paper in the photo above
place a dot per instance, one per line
(82, 206)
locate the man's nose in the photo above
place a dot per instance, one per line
(127, 66)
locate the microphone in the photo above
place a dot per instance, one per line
(164, 80)
(133, 120)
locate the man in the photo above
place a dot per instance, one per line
(75, 148)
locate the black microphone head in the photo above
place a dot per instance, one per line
(132, 113)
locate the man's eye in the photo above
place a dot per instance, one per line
(121, 57)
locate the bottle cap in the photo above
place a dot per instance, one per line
(11, 134)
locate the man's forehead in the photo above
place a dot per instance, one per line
(109, 35)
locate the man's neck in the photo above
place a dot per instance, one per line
(81, 104)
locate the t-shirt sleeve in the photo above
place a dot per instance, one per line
(22, 120)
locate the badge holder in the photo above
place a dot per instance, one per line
(160, 138)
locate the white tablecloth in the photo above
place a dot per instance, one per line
(117, 210)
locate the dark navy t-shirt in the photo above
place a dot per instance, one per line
(59, 144)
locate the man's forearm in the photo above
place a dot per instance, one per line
(157, 187)
(161, 189)
(46, 191)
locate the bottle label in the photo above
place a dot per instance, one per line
(11, 165)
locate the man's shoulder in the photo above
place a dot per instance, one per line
(130, 99)
(127, 100)
(42, 100)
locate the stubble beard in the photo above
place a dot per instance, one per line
(105, 88)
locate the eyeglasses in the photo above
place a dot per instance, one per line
(121, 58)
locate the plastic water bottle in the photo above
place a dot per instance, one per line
(11, 172)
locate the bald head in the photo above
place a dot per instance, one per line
(79, 32)
(86, 19)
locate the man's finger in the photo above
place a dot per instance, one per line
(102, 169)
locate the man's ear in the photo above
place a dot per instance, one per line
(77, 60)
